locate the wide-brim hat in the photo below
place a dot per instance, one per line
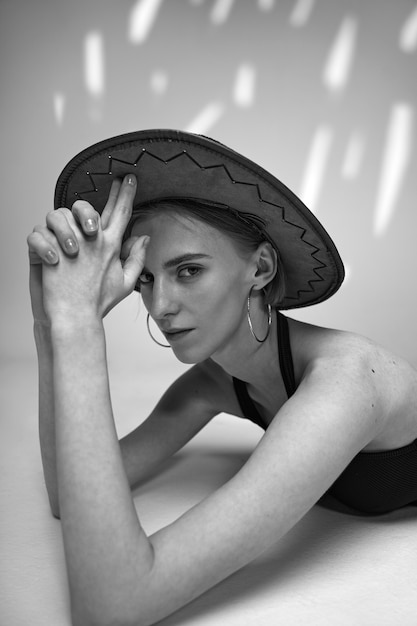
(176, 164)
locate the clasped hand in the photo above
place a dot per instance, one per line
(77, 263)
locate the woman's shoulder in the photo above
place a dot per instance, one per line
(348, 353)
(311, 342)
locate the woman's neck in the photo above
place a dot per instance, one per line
(255, 363)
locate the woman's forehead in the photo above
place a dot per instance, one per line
(172, 234)
(175, 226)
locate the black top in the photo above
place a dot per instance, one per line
(373, 482)
(287, 371)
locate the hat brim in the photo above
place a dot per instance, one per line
(170, 163)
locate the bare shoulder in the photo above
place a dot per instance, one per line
(351, 351)
(354, 364)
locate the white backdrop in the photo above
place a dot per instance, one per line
(322, 93)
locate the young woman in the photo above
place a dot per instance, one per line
(217, 247)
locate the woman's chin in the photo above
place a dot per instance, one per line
(190, 354)
(189, 357)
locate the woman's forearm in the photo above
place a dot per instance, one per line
(42, 333)
(100, 526)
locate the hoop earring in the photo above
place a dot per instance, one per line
(163, 345)
(250, 321)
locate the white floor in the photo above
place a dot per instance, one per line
(331, 569)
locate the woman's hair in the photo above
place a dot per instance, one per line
(244, 229)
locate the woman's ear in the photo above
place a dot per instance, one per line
(266, 265)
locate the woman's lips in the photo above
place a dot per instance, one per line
(174, 335)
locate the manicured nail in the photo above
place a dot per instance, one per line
(90, 225)
(131, 180)
(70, 245)
(51, 256)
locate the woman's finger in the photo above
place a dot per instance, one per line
(87, 217)
(111, 202)
(127, 246)
(135, 262)
(41, 250)
(59, 222)
(122, 212)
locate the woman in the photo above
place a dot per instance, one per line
(217, 246)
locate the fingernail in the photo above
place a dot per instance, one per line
(131, 180)
(90, 225)
(70, 245)
(51, 256)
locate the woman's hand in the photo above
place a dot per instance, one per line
(75, 259)
(45, 243)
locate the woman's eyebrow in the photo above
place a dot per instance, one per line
(188, 256)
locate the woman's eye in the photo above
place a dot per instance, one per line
(189, 271)
(144, 279)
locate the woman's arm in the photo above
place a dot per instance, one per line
(116, 573)
(77, 294)
(46, 412)
(101, 531)
(44, 243)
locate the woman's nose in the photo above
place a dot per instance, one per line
(163, 301)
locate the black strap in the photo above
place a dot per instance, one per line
(247, 405)
(285, 357)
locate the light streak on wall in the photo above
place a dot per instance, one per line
(316, 167)
(59, 107)
(159, 82)
(244, 87)
(221, 11)
(396, 158)
(266, 5)
(408, 33)
(301, 13)
(206, 119)
(94, 63)
(353, 156)
(348, 272)
(142, 17)
(340, 57)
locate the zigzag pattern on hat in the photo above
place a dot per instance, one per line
(185, 154)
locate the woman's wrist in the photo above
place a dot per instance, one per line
(41, 326)
(42, 334)
(79, 325)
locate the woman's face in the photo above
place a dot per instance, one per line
(195, 286)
